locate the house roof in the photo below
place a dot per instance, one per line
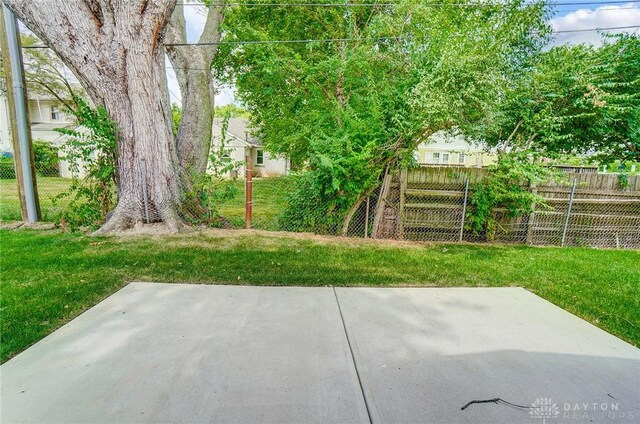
(46, 131)
(240, 129)
(443, 141)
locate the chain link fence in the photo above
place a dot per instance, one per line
(426, 204)
(221, 203)
(432, 204)
(50, 188)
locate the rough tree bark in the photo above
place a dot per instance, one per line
(114, 47)
(192, 67)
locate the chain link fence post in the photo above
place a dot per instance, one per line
(143, 169)
(566, 220)
(401, 214)
(464, 209)
(531, 217)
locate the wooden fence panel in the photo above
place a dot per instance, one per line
(428, 203)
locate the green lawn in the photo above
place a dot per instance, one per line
(48, 189)
(269, 199)
(49, 278)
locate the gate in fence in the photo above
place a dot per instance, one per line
(431, 204)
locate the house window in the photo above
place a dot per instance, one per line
(445, 158)
(260, 157)
(55, 113)
(436, 158)
(461, 158)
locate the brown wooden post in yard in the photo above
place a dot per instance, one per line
(248, 191)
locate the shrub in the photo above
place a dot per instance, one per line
(46, 159)
(7, 170)
(507, 185)
(307, 209)
(93, 150)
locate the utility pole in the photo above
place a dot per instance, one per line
(18, 116)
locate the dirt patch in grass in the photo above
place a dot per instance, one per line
(234, 237)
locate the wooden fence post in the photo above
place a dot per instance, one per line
(381, 203)
(366, 219)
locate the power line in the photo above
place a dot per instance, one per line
(575, 3)
(591, 29)
(329, 40)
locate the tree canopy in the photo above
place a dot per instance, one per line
(574, 100)
(393, 75)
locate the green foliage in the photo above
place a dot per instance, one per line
(508, 186)
(574, 100)
(623, 179)
(7, 169)
(628, 167)
(92, 156)
(232, 111)
(45, 73)
(176, 117)
(45, 159)
(213, 188)
(342, 111)
(303, 213)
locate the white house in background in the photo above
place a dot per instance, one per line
(45, 115)
(443, 150)
(240, 142)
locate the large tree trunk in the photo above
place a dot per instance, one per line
(115, 49)
(192, 67)
(146, 151)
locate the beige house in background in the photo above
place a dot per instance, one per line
(240, 142)
(45, 115)
(443, 150)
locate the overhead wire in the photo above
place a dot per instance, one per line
(328, 40)
(308, 4)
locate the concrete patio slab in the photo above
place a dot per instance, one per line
(191, 353)
(423, 353)
(197, 353)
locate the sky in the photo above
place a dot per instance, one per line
(566, 17)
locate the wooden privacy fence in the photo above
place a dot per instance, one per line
(432, 203)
